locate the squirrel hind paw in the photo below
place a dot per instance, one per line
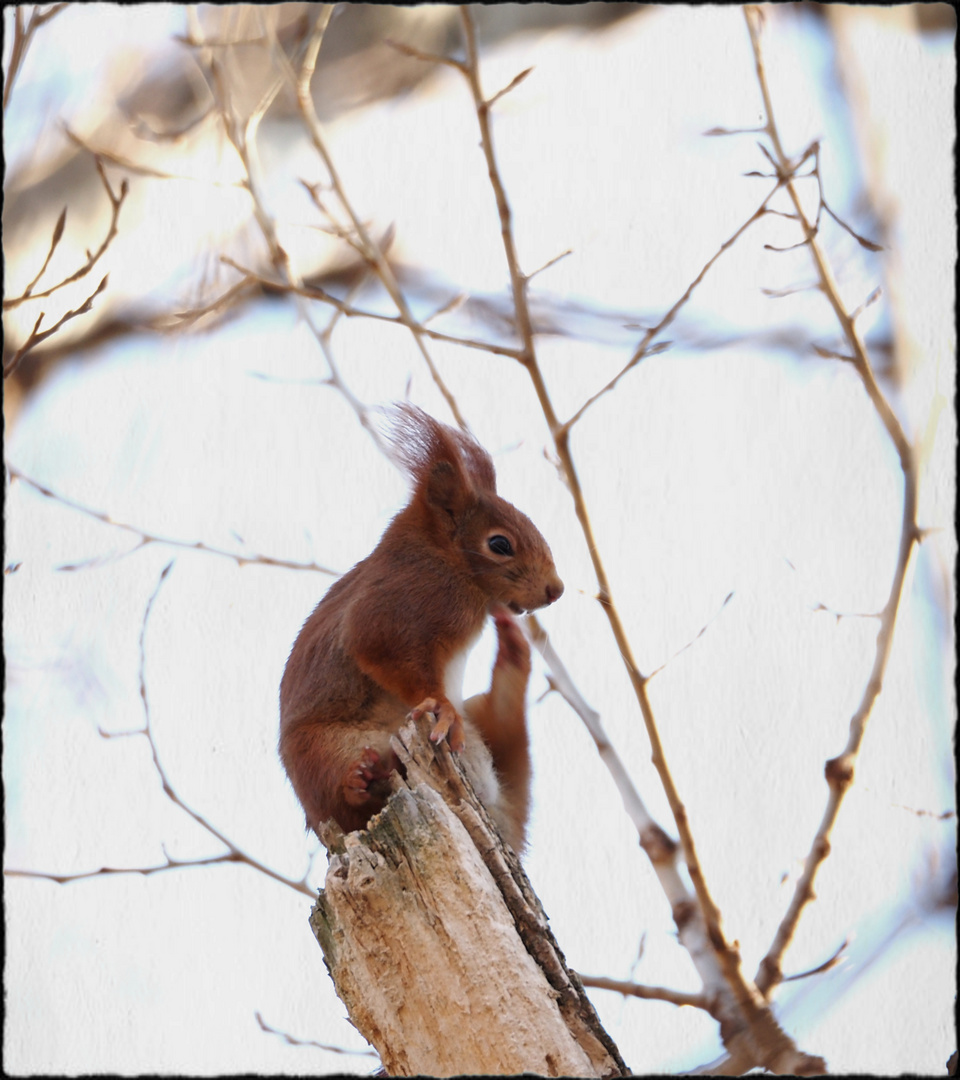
(367, 778)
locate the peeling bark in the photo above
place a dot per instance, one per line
(438, 946)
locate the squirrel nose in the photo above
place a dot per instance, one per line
(554, 591)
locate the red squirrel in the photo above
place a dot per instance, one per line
(390, 638)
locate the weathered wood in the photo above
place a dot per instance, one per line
(438, 946)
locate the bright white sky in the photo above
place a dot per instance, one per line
(734, 469)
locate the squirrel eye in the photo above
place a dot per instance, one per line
(500, 545)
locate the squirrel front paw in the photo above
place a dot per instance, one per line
(513, 649)
(449, 722)
(367, 778)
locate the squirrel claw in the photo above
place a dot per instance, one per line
(451, 728)
(367, 772)
(428, 705)
(449, 722)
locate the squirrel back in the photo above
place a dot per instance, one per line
(390, 637)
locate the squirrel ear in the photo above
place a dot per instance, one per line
(444, 488)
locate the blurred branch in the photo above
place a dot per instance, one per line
(831, 962)
(153, 538)
(427, 57)
(220, 305)
(22, 38)
(314, 292)
(749, 1019)
(243, 138)
(233, 853)
(54, 241)
(116, 202)
(140, 169)
(37, 335)
(839, 771)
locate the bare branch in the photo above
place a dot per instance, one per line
(791, 290)
(703, 629)
(427, 57)
(54, 241)
(445, 309)
(314, 292)
(649, 993)
(734, 131)
(831, 354)
(116, 202)
(839, 771)
(139, 169)
(22, 37)
(370, 249)
(37, 335)
(768, 1043)
(644, 348)
(233, 853)
(871, 299)
(514, 82)
(870, 245)
(861, 240)
(945, 815)
(153, 538)
(219, 306)
(831, 962)
(789, 247)
(292, 1040)
(106, 871)
(549, 263)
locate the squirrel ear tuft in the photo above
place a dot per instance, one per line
(420, 445)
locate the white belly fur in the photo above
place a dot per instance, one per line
(476, 756)
(453, 677)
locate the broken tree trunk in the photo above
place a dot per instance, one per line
(438, 946)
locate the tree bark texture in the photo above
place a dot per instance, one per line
(438, 946)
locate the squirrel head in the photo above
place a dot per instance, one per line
(457, 509)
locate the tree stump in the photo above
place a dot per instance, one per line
(437, 944)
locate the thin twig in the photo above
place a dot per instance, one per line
(292, 1040)
(233, 853)
(427, 57)
(37, 335)
(649, 993)
(169, 541)
(107, 871)
(140, 169)
(839, 771)
(314, 292)
(831, 962)
(703, 629)
(219, 306)
(644, 349)
(116, 203)
(54, 241)
(22, 37)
